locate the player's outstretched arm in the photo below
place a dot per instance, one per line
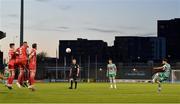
(31, 55)
(115, 68)
(17, 51)
(107, 71)
(70, 72)
(1, 76)
(159, 68)
(78, 71)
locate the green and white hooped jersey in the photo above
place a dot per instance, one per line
(6, 73)
(111, 69)
(167, 69)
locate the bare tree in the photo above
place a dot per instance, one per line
(41, 71)
(41, 57)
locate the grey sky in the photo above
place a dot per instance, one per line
(47, 21)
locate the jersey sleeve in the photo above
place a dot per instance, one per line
(9, 54)
(115, 66)
(32, 53)
(27, 51)
(17, 51)
(164, 67)
(107, 67)
(70, 67)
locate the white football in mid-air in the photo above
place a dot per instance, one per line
(134, 69)
(68, 50)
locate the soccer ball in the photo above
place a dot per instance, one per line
(68, 50)
(134, 69)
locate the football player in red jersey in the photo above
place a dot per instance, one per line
(22, 62)
(11, 65)
(32, 66)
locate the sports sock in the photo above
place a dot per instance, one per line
(159, 85)
(115, 86)
(111, 86)
(10, 79)
(31, 79)
(20, 78)
(71, 83)
(75, 84)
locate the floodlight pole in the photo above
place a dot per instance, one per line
(88, 67)
(56, 64)
(65, 68)
(96, 63)
(22, 22)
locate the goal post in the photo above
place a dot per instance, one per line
(175, 76)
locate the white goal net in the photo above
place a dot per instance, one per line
(175, 74)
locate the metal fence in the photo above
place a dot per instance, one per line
(97, 71)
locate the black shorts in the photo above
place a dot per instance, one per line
(74, 76)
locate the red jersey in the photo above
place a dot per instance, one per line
(12, 55)
(12, 58)
(22, 52)
(32, 60)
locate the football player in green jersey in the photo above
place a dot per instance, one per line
(111, 73)
(162, 76)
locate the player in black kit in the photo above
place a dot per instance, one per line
(74, 73)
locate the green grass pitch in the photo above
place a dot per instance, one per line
(92, 93)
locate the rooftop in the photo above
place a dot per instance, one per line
(2, 35)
